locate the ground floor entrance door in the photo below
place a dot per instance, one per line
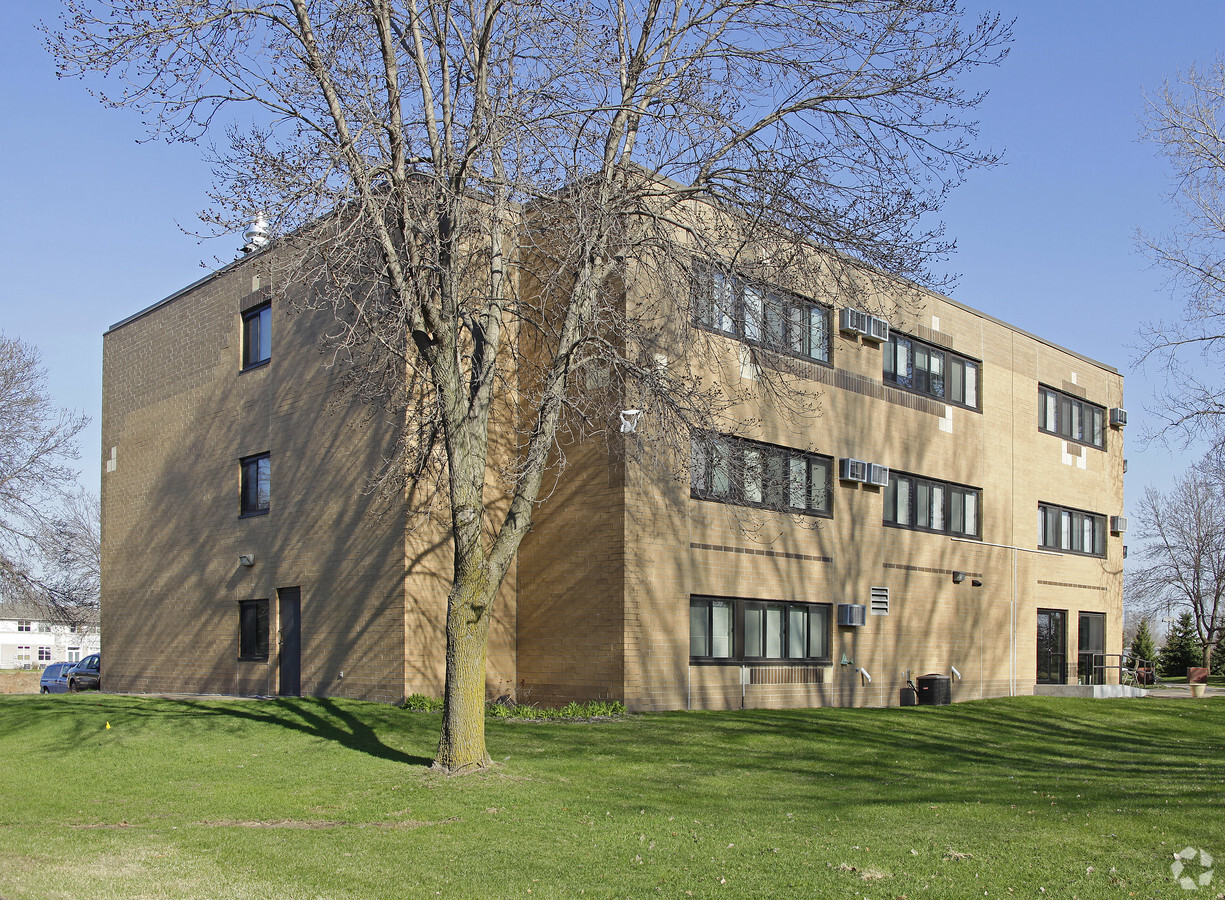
(291, 641)
(1052, 646)
(1091, 647)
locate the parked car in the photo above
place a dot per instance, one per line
(55, 678)
(87, 674)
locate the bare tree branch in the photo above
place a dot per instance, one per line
(506, 204)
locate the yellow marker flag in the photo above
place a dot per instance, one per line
(108, 726)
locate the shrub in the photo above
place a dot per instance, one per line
(504, 709)
(422, 703)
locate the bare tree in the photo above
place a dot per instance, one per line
(1184, 552)
(37, 443)
(506, 203)
(1186, 120)
(69, 543)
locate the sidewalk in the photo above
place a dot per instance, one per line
(1173, 691)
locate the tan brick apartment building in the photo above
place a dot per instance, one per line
(963, 477)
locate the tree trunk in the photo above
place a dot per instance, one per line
(461, 747)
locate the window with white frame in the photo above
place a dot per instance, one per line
(25, 625)
(23, 654)
(74, 654)
(44, 654)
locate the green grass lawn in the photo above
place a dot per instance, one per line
(333, 799)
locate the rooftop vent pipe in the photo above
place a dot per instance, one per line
(256, 234)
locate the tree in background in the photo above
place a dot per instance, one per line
(1182, 648)
(424, 161)
(1185, 119)
(1143, 647)
(1183, 553)
(37, 445)
(70, 547)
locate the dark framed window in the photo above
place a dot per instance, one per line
(736, 630)
(253, 629)
(925, 504)
(257, 336)
(749, 473)
(1071, 530)
(758, 314)
(927, 369)
(255, 474)
(1071, 418)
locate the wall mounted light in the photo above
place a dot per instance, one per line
(247, 559)
(959, 577)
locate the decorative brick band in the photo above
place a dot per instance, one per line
(1068, 584)
(929, 571)
(848, 381)
(752, 551)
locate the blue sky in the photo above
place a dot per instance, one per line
(91, 220)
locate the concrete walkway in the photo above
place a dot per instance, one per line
(1174, 691)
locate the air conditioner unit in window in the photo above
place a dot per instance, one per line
(852, 614)
(1118, 524)
(878, 330)
(852, 320)
(1118, 417)
(853, 469)
(878, 475)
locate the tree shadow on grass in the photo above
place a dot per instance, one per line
(315, 717)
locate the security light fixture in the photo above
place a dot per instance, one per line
(959, 577)
(247, 559)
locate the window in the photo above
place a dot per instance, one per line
(74, 654)
(1071, 418)
(25, 625)
(253, 629)
(748, 473)
(254, 488)
(762, 315)
(737, 630)
(257, 336)
(23, 654)
(925, 504)
(44, 654)
(928, 369)
(1071, 530)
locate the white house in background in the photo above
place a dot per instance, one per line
(30, 638)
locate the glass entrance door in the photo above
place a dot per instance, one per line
(1090, 646)
(1052, 646)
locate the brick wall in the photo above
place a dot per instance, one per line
(177, 415)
